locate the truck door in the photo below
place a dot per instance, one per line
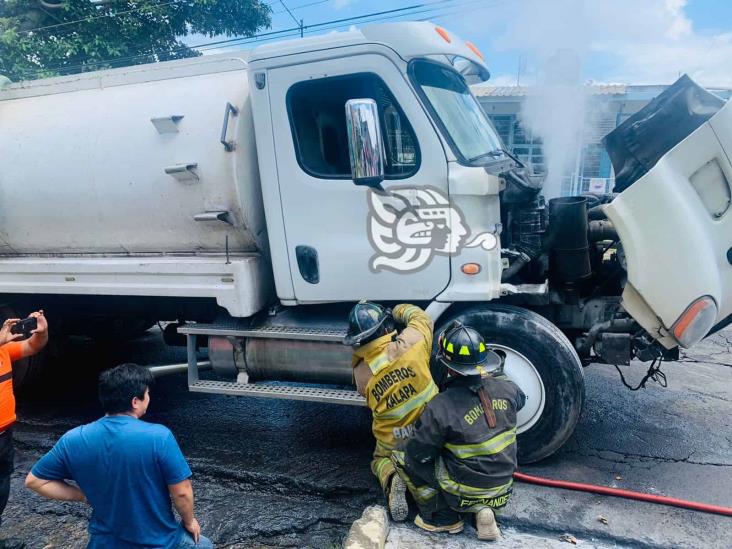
(675, 225)
(334, 231)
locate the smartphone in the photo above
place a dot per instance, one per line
(25, 326)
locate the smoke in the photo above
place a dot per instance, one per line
(555, 111)
(565, 42)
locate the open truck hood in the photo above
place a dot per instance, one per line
(674, 214)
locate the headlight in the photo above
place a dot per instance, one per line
(695, 322)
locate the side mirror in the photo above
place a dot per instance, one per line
(365, 146)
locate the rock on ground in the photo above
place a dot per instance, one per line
(370, 531)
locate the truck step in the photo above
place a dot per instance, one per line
(291, 392)
(310, 333)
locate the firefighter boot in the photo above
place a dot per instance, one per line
(397, 498)
(454, 528)
(485, 523)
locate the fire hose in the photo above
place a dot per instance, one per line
(628, 494)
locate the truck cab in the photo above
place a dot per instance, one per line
(352, 240)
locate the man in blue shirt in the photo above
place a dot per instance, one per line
(128, 470)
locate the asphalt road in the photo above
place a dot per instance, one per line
(271, 473)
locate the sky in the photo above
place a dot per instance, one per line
(617, 41)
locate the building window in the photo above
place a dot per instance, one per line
(591, 160)
(519, 141)
(317, 110)
(503, 124)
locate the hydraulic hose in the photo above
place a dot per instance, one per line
(628, 494)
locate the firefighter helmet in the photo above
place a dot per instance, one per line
(462, 350)
(366, 322)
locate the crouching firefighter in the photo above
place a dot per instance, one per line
(462, 455)
(392, 371)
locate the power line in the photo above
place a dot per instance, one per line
(283, 33)
(93, 18)
(157, 6)
(298, 23)
(318, 26)
(133, 10)
(367, 18)
(326, 25)
(170, 51)
(288, 11)
(481, 7)
(302, 7)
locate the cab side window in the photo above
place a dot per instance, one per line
(317, 110)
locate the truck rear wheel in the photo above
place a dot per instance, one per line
(540, 360)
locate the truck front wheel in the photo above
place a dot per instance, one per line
(540, 360)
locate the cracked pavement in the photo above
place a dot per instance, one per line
(271, 473)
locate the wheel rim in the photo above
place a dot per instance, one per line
(522, 372)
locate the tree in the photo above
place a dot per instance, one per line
(41, 38)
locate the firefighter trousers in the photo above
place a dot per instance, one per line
(439, 507)
(382, 466)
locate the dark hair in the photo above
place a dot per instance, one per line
(119, 385)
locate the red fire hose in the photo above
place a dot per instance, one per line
(617, 492)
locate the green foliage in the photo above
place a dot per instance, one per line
(50, 37)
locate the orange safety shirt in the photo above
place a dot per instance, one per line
(8, 353)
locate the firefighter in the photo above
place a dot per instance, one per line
(462, 455)
(392, 371)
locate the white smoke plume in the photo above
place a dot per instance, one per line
(555, 111)
(647, 42)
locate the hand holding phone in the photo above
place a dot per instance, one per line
(25, 327)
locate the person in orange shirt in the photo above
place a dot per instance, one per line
(11, 349)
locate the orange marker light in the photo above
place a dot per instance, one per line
(695, 322)
(470, 268)
(445, 35)
(475, 50)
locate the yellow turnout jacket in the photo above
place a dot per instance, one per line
(393, 373)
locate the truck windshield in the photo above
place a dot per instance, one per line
(466, 126)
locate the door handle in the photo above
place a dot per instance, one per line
(230, 109)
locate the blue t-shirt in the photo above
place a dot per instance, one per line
(124, 466)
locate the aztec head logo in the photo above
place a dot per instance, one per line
(407, 227)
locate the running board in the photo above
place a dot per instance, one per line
(335, 334)
(311, 394)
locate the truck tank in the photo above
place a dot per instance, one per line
(131, 161)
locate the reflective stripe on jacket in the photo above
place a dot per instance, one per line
(8, 353)
(393, 373)
(454, 448)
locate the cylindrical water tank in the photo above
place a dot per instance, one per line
(130, 161)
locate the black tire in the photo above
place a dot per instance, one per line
(553, 357)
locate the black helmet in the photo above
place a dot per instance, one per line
(463, 351)
(366, 322)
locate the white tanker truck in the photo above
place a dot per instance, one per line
(250, 198)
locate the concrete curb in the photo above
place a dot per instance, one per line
(370, 531)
